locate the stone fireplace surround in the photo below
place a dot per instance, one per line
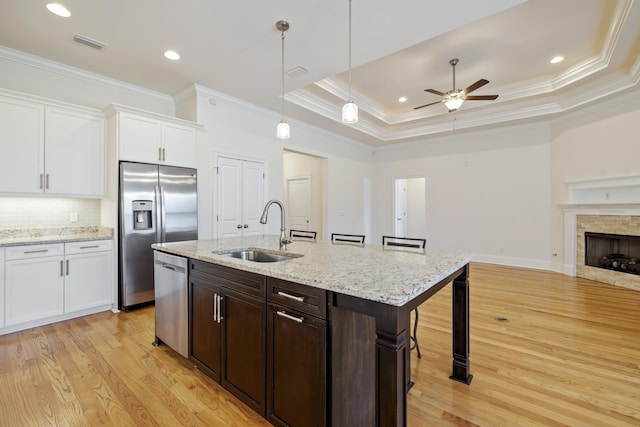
(610, 224)
(600, 205)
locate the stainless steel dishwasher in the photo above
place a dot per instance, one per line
(172, 301)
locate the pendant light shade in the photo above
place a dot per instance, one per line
(282, 131)
(350, 109)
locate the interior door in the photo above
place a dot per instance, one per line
(240, 197)
(298, 200)
(401, 208)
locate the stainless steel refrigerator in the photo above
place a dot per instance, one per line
(157, 204)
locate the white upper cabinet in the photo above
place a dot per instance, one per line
(75, 152)
(147, 138)
(51, 149)
(21, 146)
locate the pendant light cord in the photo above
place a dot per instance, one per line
(282, 107)
(349, 50)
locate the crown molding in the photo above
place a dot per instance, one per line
(79, 74)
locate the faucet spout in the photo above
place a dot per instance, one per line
(263, 220)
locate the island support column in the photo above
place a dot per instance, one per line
(460, 300)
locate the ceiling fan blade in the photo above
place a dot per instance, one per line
(475, 86)
(480, 97)
(426, 105)
(437, 92)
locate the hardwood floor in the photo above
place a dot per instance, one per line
(568, 354)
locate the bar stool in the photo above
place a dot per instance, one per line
(350, 238)
(408, 242)
(303, 234)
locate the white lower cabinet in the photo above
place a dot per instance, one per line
(1, 288)
(88, 276)
(50, 282)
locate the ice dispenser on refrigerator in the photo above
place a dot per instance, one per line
(142, 214)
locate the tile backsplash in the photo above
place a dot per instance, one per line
(44, 212)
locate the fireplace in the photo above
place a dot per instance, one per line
(607, 255)
(612, 252)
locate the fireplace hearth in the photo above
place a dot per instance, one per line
(613, 252)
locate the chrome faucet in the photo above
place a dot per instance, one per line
(263, 220)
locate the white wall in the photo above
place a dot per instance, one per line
(599, 141)
(487, 192)
(231, 127)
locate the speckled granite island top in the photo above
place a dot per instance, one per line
(389, 275)
(33, 236)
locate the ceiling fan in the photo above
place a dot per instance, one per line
(455, 97)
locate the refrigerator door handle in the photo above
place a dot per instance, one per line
(158, 219)
(163, 217)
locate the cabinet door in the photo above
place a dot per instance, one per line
(178, 145)
(205, 329)
(139, 138)
(87, 281)
(244, 348)
(1, 287)
(297, 368)
(34, 289)
(75, 153)
(21, 146)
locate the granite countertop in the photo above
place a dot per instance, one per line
(33, 236)
(390, 275)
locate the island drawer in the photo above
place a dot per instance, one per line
(305, 299)
(242, 281)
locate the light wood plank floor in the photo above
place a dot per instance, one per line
(568, 354)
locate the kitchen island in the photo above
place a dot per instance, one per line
(370, 291)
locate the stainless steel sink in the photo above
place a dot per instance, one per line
(258, 255)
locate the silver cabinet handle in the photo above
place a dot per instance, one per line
(220, 308)
(293, 297)
(239, 226)
(61, 268)
(67, 267)
(46, 180)
(164, 155)
(246, 226)
(41, 181)
(290, 317)
(159, 154)
(36, 251)
(89, 247)
(215, 307)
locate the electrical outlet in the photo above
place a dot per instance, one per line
(73, 217)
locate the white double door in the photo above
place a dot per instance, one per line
(240, 196)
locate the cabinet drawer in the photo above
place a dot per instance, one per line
(34, 251)
(303, 298)
(87, 246)
(242, 281)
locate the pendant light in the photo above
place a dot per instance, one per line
(282, 131)
(350, 109)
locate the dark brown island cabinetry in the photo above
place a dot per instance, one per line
(228, 329)
(296, 354)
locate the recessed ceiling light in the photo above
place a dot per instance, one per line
(402, 99)
(172, 55)
(59, 10)
(557, 59)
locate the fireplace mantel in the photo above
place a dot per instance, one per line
(622, 190)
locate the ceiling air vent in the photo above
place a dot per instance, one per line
(297, 71)
(88, 42)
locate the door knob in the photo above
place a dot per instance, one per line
(239, 226)
(246, 226)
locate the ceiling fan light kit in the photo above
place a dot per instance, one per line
(455, 98)
(282, 130)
